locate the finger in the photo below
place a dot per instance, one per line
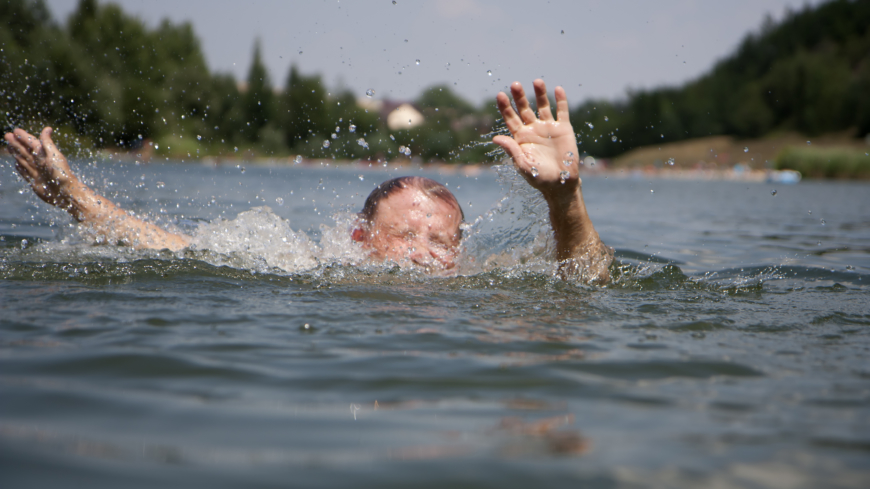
(23, 160)
(562, 111)
(47, 143)
(525, 111)
(30, 143)
(511, 119)
(544, 112)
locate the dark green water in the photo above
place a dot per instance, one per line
(732, 351)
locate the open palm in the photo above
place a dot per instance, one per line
(543, 149)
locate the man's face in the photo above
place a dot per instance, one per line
(410, 225)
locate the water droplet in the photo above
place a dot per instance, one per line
(242, 169)
(590, 125)
(236, 149)
(326, 143)
(417, 61)
(280, 201)
(822, 221)
(606, 119)
(489, 72)
(563, 175)
(563, 31)
(402, 149)
(809, 143)
(370, 92)
(406, 40)
(334, 136)
(337, 129)
(361, 178)
(298, 159)
(408, 151)
(746, 149)
(811, 212)
(613, 138)
(351, 128)
(198, 137)
(392, 137)
(652, 191)
(663, 136)
(671, 161)
(534, 172)
(773, 192)
(140, 136)
(300, 52)
(362, 142)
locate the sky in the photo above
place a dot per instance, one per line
(594, 48)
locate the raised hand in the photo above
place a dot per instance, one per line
(43, 166)
(543, 149)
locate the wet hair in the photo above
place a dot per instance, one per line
(428, 186)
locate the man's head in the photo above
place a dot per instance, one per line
(411, 218)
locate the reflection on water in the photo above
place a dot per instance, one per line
(730, 350)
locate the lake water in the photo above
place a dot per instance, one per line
(733, 350)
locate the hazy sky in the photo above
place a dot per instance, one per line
(607, 46)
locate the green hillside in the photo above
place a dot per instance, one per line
(809, 73)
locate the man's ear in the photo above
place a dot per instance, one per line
(358, 235)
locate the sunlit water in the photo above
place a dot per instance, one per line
(732, 349)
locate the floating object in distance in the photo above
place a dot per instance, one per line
(784, 176)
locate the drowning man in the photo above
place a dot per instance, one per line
(405, 219)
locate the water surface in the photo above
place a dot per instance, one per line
(731, 350)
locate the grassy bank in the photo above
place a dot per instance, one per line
(834, 162)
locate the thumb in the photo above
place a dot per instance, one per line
(47, 144)
(510, 147)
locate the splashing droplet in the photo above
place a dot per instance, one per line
(408, 151)
(334, 136)
(361, 178)
(394, 2)
(351, 128)
(198, 137)
(489, 72)
(362, 142)
(809, 143)
(590, 125)
(563, 175)
(822, 221)
(370, 92)
(326, 143)
(613, 138)
(671, 161)
(280, 201)
(298, 159)
(242, 169)
(746, 149)
(606, 119)
(534, 172)
(773, 192)
(652, 191)
(417, 61)
(563, 31)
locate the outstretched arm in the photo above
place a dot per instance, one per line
(544, 151)
(42, 165)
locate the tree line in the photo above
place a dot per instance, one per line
(105, 79)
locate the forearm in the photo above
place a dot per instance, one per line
(578, 247)
(114, 225)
